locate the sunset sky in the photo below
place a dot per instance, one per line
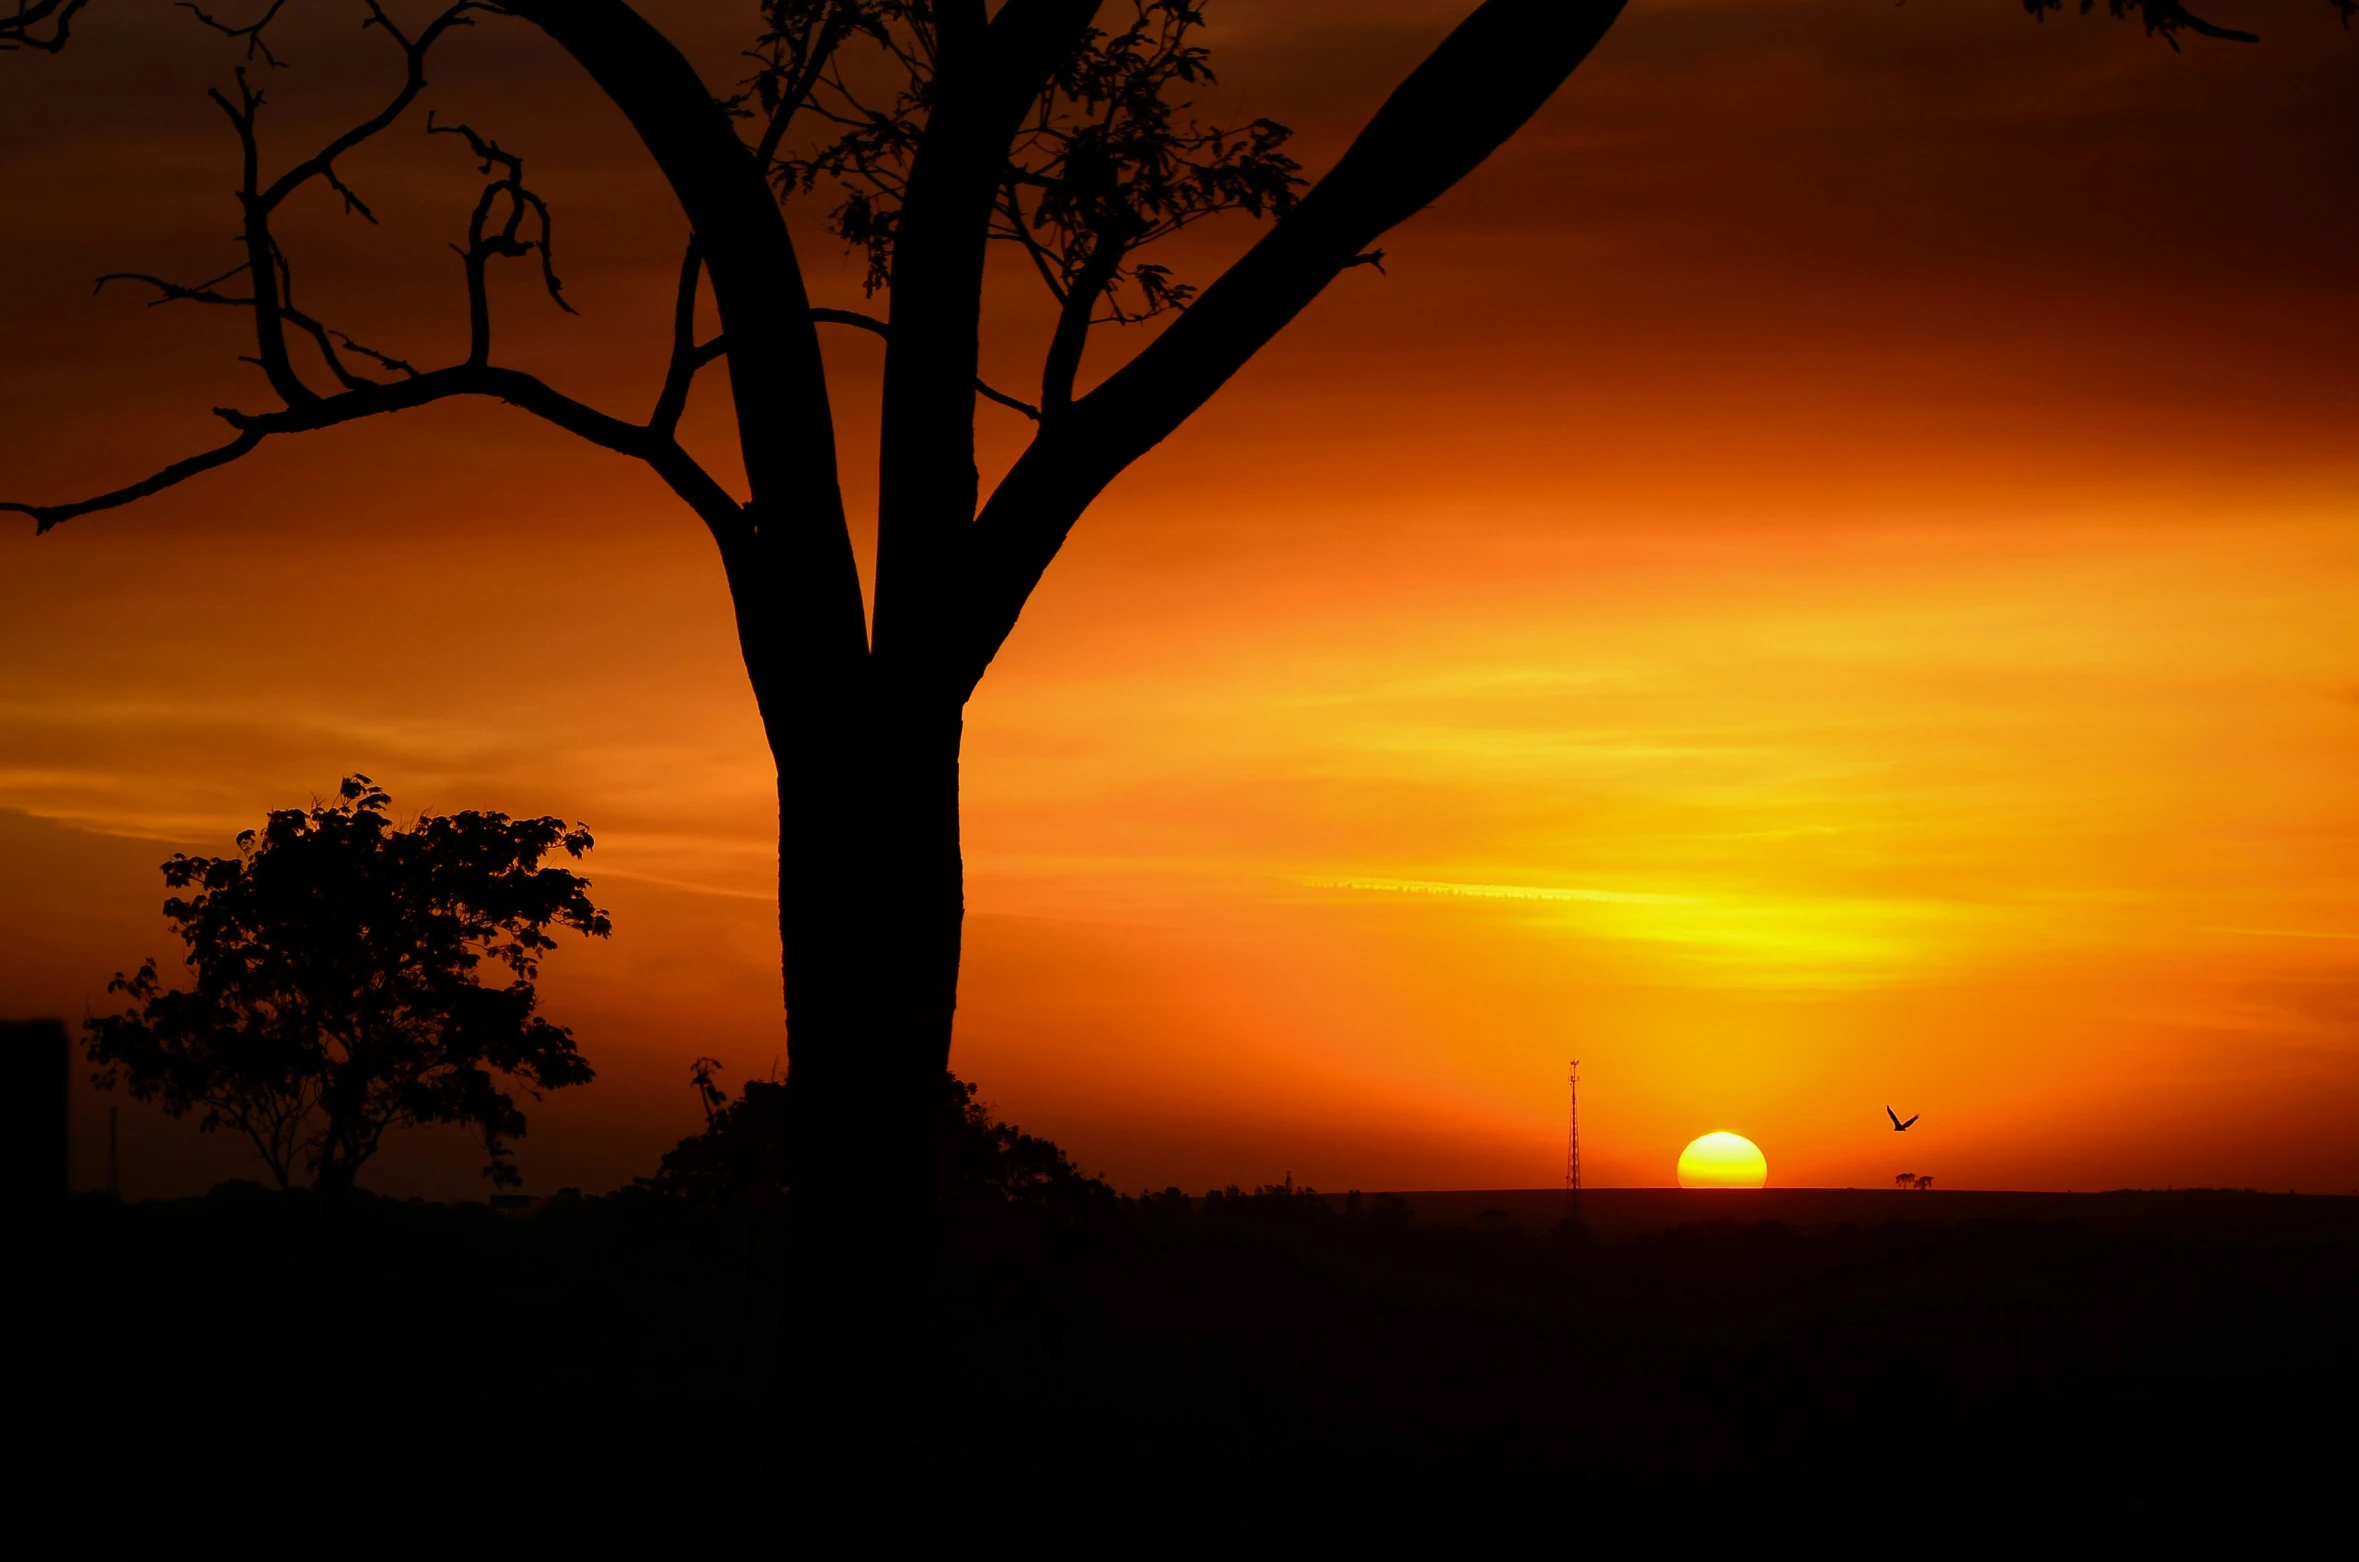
(1825, 575)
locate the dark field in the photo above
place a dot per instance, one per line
(1785, 1372)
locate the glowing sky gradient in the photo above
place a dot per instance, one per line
(1826, 575)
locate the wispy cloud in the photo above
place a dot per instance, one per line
(2286, 932)
(1608, 897)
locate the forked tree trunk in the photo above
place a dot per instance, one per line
(865, 726)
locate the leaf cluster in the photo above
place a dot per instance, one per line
(338, 964)
(1109, 157)
(2167, 18)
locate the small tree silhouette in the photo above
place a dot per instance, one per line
(1924, 1183)
(710, 1096)
(1905, 1180)
(338, 993)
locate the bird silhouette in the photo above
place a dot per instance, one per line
(1898, 1126)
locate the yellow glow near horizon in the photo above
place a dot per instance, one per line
(1722, 1160)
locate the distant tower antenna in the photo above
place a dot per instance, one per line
(1572, 1129)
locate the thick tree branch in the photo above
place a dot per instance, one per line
(1485, 80)
(802, 600)
(989, 75)
(1078, 307)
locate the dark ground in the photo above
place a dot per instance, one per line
(1880, 1374)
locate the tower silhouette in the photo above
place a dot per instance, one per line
(1572, 1129)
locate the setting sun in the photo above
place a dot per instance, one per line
(1722, 1160)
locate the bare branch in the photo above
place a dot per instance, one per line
(854, 318)
(485, 241)
(173, 292)
(657, 449)
(46, 516)
(349, 196)
(328, 341)
(1041, 259)
(265, 262)
(680, 374)
(383, 360)
(23, 29)
(272, 295)
(1005, 400)
(413, 82)
(251, 32)
(876, 327)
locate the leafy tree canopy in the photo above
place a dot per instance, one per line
(1108, 157)
(338, 963)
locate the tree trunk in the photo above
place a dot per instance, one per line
(871, 902)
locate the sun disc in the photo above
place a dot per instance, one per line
(1723, 1160)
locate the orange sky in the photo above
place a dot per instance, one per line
(1823, 576)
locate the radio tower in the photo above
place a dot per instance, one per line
(1572, 1129)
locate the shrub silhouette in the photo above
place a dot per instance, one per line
(338, 990)
(743, 1159)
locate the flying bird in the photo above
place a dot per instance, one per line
(1898, 1126)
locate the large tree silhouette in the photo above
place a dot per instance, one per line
(930, 129)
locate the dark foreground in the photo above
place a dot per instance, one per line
(1787, 1373)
